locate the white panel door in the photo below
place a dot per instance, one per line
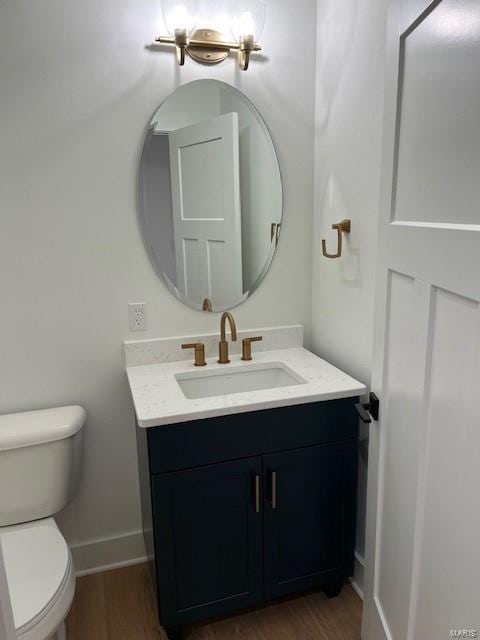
(204, 161)
(423, 521)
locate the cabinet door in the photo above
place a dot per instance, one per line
(208, 540)
(309, 517)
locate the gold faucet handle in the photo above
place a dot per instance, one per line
(199, 353)
(247, 347)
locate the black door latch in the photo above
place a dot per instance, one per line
(369, 410)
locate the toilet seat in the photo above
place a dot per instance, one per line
(40, 577)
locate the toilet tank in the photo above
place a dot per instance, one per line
(40, 458)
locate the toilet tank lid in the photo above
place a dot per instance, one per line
(38, 427)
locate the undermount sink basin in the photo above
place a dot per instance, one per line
(207, 384)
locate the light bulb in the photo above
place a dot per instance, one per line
(180, 15)
(243, 25)
(247, 19)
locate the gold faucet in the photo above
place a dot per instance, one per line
(247, 347)
(223, 344)
(207, 305)
(199, 353)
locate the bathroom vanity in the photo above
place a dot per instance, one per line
(250, 494)
(247, 455)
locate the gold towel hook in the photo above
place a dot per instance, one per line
(344, 226)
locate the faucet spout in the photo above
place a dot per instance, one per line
(223, 344)
(233, 327)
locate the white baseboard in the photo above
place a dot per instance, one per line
(358, 575)
(104, 554)
(356, 588)
(115, 552)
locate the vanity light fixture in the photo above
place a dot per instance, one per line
(203, 38)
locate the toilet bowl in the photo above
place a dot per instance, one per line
(40, 577)
(40, 453)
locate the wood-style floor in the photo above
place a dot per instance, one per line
(119, 605)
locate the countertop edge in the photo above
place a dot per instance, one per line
(147, 423)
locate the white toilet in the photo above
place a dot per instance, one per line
(40, 457)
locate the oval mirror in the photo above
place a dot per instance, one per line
(210, 195)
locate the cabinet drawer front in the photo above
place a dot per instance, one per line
(309, 517)
(208, 533)
(211, 440)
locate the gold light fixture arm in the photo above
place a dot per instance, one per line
(247, 45)
(208, 47)
(181, 43)
(342, 227)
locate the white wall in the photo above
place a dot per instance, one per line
(192, 104)
(349, 105)
(78, 88)
(155, 200)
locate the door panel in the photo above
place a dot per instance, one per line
(437, 111)
(205, 171)
(423, 516)
(407, 326)
(448, 537)
(309, 525)
(208, 540)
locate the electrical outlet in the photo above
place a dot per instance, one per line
(137, 316)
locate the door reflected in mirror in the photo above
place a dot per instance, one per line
(210, 195)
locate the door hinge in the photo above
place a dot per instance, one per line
(369, 410)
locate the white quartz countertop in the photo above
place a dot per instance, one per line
(159, 400)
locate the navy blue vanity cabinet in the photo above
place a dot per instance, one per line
(241, 509)
(309, 521)
(209, 544)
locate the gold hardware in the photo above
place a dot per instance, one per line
(209, 52)
(207, 46)
(247, 347)
(207, 305)
(181, 42)
(274, 489)
(199, 353)
(223, 353)
(257, 494)
(344, 226)
(275, 232)
(247, 45)
(223, 344)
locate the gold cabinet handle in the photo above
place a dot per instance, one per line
(257, 494)
(274, 489)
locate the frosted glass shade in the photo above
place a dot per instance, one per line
(215, 14)
(247, 18)
(180, 14)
